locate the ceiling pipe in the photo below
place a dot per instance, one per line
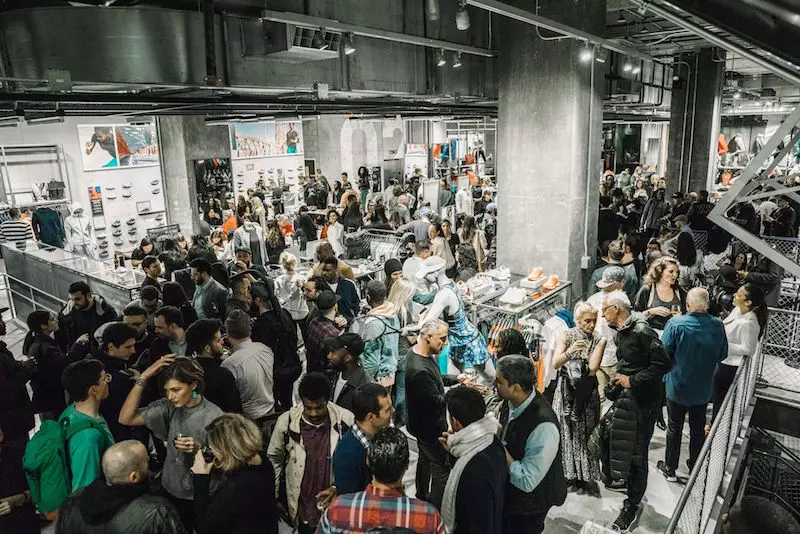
(717, 40)
(533, 19)
(334, 26)
(211, 54)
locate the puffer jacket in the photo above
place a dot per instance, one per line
(641, 356)
(288, 454)
(126, 509)
(625, 436)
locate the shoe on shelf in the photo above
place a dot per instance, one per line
(119, 242)
(668, 472)
(116, 223)
(626, 517)
(126, 194)
(155, 182)
(117, 233)
(127, 186)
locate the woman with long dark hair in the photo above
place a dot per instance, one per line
(146, 248)
(661, 297)
(172, 294)
(50, 361)
(351, 216)
(743, 328)
(470, 234)
(275, 242)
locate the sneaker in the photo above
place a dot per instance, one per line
(626, 517)
(127, 186)
(131, 221)
(156, 191)
(111, 196)
(668, 472)
(617, 485)
(119, 242)
(116, 223)
(132, 230)
(160, 216)
(155, 182)
(126, 194)
(117, 233)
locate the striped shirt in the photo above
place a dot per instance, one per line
(15, 231)
(377, 507)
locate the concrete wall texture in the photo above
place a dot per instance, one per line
(548, 148)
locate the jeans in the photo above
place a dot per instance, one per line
(524, 524)
(723, 378)
(676, 414)
(433, 468)
(637, 480)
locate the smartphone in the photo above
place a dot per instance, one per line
(208, 455)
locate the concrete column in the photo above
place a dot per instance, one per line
(694, 119)
(182, 140)
(548, 146)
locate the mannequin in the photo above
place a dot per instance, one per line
(80, 232)
(467, 345)
(464, 203)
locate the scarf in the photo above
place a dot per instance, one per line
(464, 445)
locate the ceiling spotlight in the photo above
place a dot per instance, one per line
(737, 95)
(347, 44)
(627, 67)
(462, 16)
(586, 54)
(601, 55)
(636, 69)
(441, 62)
(457, 60)
(621, 19)
(675, 78)
(319, 41)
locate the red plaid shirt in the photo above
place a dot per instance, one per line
(377, 507)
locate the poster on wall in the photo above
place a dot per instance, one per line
(96, 207)
(118, 146)
(266, 139)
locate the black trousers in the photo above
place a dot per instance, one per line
(676, 414)
(723, 379)
(185, 509)
(433, 468)
(524, 524)
(637, 480)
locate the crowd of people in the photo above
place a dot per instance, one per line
(226, 400)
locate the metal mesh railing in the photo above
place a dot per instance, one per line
(695, 505)
(774, 473)
(781, 350)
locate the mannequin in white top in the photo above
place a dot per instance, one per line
(80, 232)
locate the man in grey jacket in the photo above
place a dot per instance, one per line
(210, 295)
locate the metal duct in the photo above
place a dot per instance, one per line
(208, 32)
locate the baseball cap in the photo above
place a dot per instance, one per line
(612, 275)
(243, 248)
(327, 300)
(490, 207)
(350, 342)
(259, 291)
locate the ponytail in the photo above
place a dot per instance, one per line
(757, 305)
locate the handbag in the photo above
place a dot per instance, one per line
(599, 440)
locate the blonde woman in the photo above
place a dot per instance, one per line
(259, 213)
(401, 295)
(289, 288)
(245, 502)
(576, 402)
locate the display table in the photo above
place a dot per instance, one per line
(40, 277)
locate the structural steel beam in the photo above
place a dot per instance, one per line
(738, 190)
(533, 19)
(334, 26)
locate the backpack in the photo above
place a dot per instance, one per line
(46, 462)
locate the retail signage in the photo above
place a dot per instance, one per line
(266, 139)
(96, 200)
(416, 150)
(114, 146)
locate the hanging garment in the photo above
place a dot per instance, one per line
(78, 228)
(48, 227)
(722, 145)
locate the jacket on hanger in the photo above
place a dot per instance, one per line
(78, 227)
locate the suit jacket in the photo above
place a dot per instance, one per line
(214, 301)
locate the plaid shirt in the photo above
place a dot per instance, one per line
(360, 436)
(319, 329)
(373, 508)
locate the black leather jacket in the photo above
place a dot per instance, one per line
(102, 509)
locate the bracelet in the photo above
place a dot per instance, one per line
(141, 382)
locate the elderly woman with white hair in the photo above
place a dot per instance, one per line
(576, 403)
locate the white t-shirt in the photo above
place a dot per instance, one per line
(340, 384)
(333, 286)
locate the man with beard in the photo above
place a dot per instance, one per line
(240, 298)
(82, 316)
(135, 316)
(344, 353)
(204, 342)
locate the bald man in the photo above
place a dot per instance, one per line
(695, 343)
(121, 501)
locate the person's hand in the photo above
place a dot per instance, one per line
(340, 321)
(83, 339)
(661, 311)
(283, 513)
(133, 374)
(578, 347)
(156, 367)
(466, 379)
(200, 466)
(186, 444)
(5, 507)
(624, 381)
(742, 274)
(325, 497)
(89, 147)
(443, 440)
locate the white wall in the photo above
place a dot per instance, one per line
(79, 181)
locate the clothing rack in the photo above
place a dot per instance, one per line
(382, 244)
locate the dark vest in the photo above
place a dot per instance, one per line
(552, 490)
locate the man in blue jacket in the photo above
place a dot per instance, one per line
(349, 301)
(695, 343)
(372, 408)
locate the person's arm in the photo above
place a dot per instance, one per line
(597, 357)
(541, 449)
(276, 451)
(85, 454)
(562, 354)
(128, 414)
(436, 309)
(348, 477)
(748, 341)
(660, 365)
(232, 401)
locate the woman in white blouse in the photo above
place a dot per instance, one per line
(335, 233)
(743, 327)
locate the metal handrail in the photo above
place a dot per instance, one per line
(739, 381)
(37, 305)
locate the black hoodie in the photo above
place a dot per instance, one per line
(119, 509)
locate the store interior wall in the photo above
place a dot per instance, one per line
(80, 180)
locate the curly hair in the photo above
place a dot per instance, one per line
(657, 269)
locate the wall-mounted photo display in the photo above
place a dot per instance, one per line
(266, 139)
(114, 146)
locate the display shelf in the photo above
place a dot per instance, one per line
(562, 291)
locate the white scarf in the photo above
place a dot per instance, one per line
(464, 445)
